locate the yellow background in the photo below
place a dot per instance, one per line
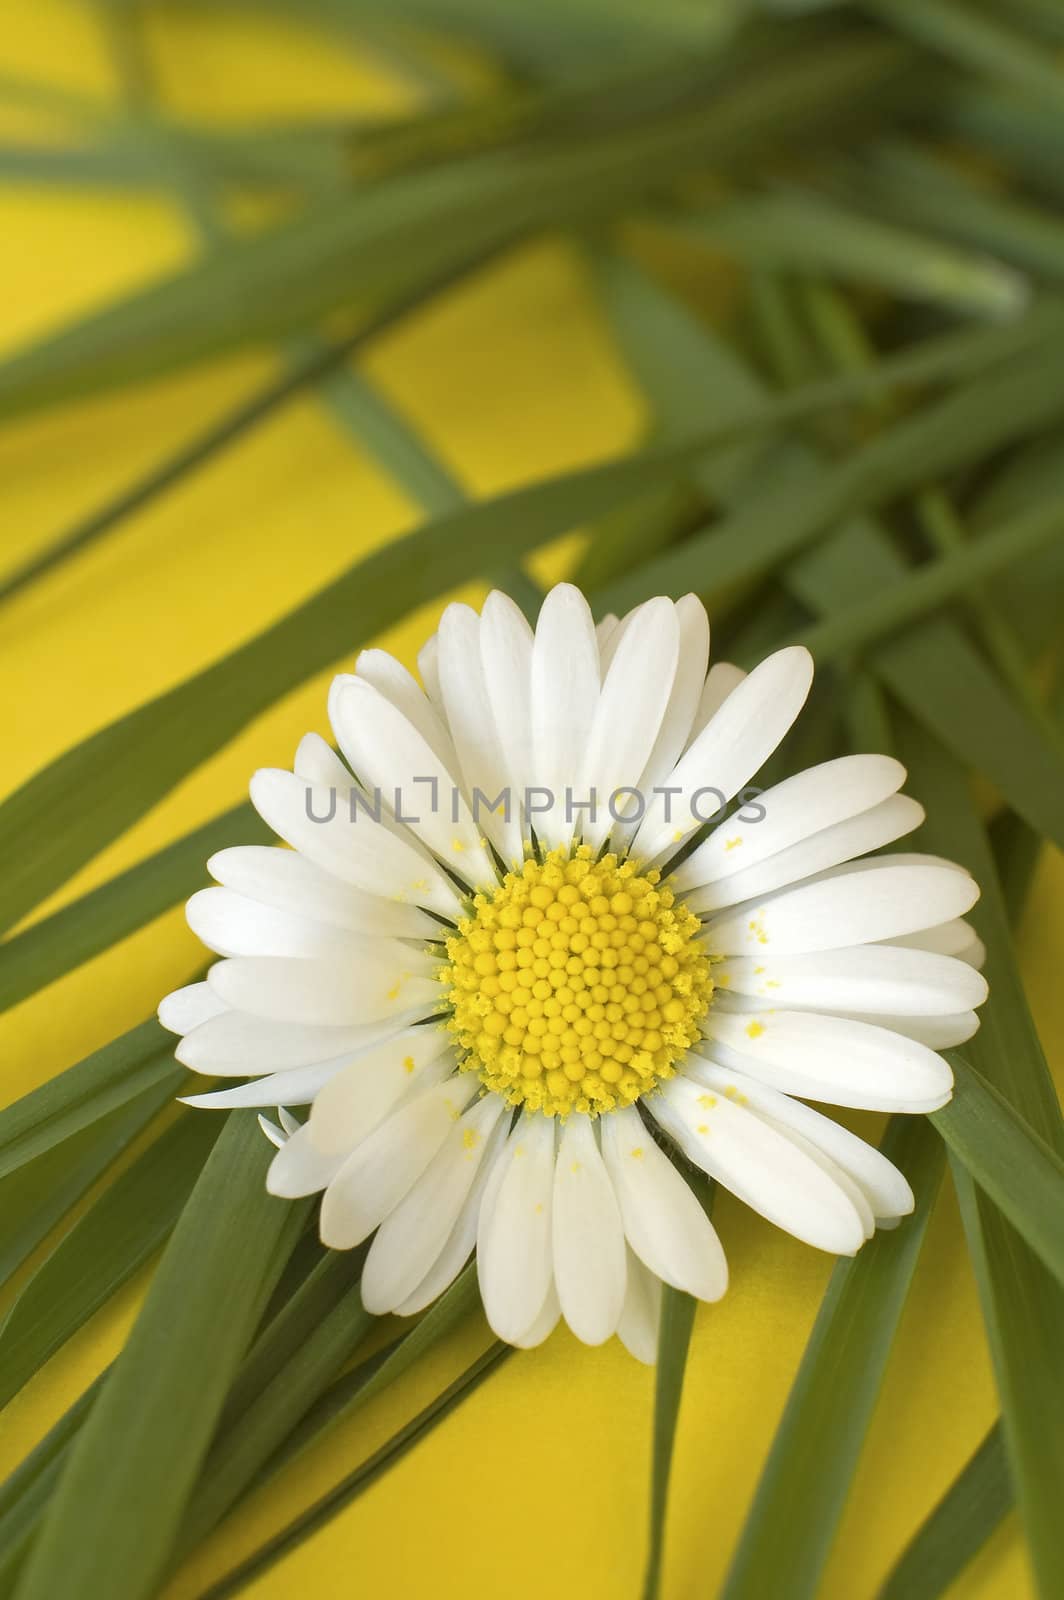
(538, 1484)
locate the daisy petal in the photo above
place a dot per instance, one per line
(506, 659)
(288, 881)
(361, 852)
(564, 694)
(638, 1327)
(369, 987)
(858, 906)
(463, 1236)
(232, 925)
(663, 1222)
(791, 812)
(299, 1168)
(238, 1045)
(544, 1323)
(317, 762)
(371, 1182)
(588, 1239)
(831, 1058)
(938, 1033)
(472, 723)
(396, 763)
(411, 1237)
(514, 1233)
(760, 1165)
(887, 1189)
(867, 978)
(189, 1007)
(297, 1087)
(733, 746)
(357, 1099)
(721, 679)
(628, 718)
(391, 679)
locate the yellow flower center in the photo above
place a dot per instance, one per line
(577, 984)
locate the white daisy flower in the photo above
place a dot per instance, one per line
(520, 1006)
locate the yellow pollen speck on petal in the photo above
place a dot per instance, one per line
(755, 1030)
(637, 1153)
(707, 1100)
(578, 985)
(702, 1128)
(733, 844)
(408, 1063)
(470, 1139)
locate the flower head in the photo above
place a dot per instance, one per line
(538, 954)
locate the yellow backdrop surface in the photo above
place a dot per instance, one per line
(538, 1483)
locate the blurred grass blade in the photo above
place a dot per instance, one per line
(803, 1488)
(791, 231)
(357, 1482)
(974, 39)
(1008, 1160)
(137, 1063)
(36, 1196)
(958, 1527)
(674, 1338)
(55, 945)
(111, 1523)
(105, 1247)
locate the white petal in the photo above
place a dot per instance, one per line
(391, 679)
(299, 1168)
(362, 852)
(640, 1319)
(386, 1165)
(663, 1221)
(734, 745)
(832, 846)
(482, 764)
(238, 1045)
(789, 813)
(412, 1236)
(604, 630)
(760, 1165)
(365, 988)
(543, 1324)
(588, 1239)
(232, 925)
(187, 1008)
(428, 664)
(514, 1232)
(887, 1189)
(683, 704)
(938, 1033)
(506, 659)
(631, 707)
(831, 1058)
(722, 678)
(394, 761)
(276, 1135)
(868, 977)
(316, 762)
(564, 695)
(946, 939)
(297, 1087)
(356, 1100)
(857, 906)
(463, 1236)
(289, 881)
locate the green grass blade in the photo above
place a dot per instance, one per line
(674, 1338)
(1008, 1160)
(55, 945)
(800, 1498)
(137, 1063)
(956, 1529)
(25, 1494)
(111, 1523)
(357, 1482)
(975, 40)
(790, 231)
(105, 1247)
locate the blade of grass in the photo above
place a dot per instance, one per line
(955, 1530)
(791, 1525)
(357, 1482)
(25, 1494)
(973, 40)
(674, 1338)
(792, 231)
(112, 1520)
(1008, 1160)
(137, 1063)
(105, 1247)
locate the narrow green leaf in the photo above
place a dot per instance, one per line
(103, 1250)
(137, 1063)
(24, 1496)
(792, 231)
(111, 1523)
(958, 1527)
(1008, 1160)
(973, 39)
(674, 1338)
(55, 945)
(800, 1498)
(357, 1482)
